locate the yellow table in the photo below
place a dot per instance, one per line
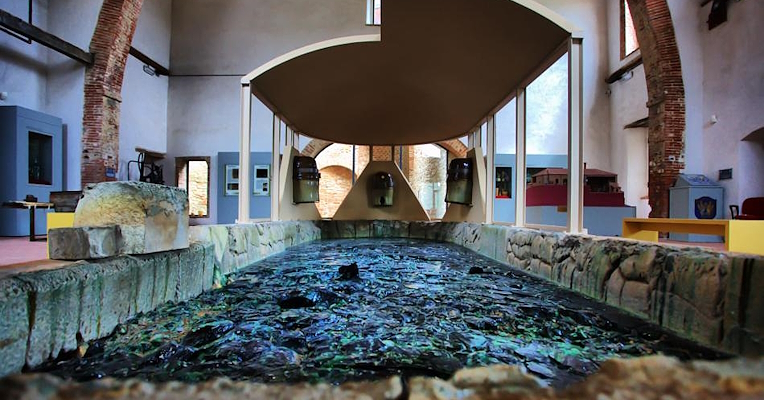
(744, 236)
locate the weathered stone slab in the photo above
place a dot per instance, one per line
(83, 243)
(151, 217)
(46, 312)
(54, 311)
(14, 325)
(636, 298)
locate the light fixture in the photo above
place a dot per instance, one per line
(149, 70)
(626, 76)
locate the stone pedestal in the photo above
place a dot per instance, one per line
(141, 217)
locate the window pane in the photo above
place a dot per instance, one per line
(547, 146)
(506, 147)
(377, 12)
(425, 169)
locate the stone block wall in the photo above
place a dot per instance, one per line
(711, 297)
(47, 313)
(707, 296)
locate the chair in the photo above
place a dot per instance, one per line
(753, 209)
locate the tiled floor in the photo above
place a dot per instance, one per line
(18, 254)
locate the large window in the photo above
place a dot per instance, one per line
(629, 42)
(193, 175)
(425, 168)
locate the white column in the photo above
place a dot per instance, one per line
(575, 137)
(490, 175)
(245, 142)
(275, 169)
(520, 158)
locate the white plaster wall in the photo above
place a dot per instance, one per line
(73, 21)
(143, 119)
(591, 17)
(733, 90)
(22, 65)
(628, 99)
(236, 36)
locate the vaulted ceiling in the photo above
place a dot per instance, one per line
(441, 66)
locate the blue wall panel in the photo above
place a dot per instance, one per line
(16, 124)
(228, 206)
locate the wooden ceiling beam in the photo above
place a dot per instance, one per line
(38, 35)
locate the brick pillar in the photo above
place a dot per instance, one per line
(665, 92)
(103, 86)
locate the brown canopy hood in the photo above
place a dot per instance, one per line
(440, 67)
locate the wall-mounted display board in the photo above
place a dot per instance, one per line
(226, 200)
(262, 180)
(231, 180)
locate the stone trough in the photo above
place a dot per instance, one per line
(710, 297)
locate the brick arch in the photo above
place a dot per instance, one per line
(665, 98)
(103, 89)
(454, 146)
(336, 182)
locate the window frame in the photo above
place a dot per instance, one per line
(182, 162)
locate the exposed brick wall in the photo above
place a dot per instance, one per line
(665, 89)
(427, 174)
(103, 86)
(314, 147)
(455, 148)
(383, 153)
(335, 164)
(335, 186)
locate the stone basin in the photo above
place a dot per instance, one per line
(707, 296)
(416, 308)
